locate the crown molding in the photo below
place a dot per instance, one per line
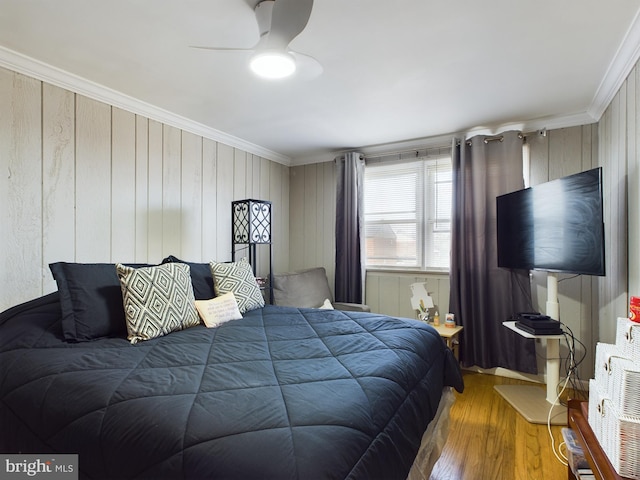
(548, 123)
(623, 62)
(47, 73)
(375, 150)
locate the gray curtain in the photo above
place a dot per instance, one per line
(350, 265)
(483, 295)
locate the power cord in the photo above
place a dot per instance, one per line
(571, 368)
(571, 364)
(572, 376)
(562, 458)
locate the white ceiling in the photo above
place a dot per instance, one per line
(395, 72)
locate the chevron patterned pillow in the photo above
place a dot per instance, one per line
(157, 300)
(237, 277)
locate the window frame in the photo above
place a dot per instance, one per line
(427, 216)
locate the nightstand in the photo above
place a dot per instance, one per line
(450, 336)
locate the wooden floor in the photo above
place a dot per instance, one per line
(489, 440)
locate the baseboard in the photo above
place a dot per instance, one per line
(505, 372)
(540, 378)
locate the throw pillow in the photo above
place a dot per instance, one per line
(326, 305)
(237, 277)
(90, 300)
(201, 278)
(303, 289)
(157, 300)
(218, 310)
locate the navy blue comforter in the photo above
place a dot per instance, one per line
(282, 393)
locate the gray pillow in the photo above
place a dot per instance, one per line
(304, 289)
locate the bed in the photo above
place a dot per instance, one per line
(280, 393)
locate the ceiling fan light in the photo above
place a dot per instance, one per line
(273, 64)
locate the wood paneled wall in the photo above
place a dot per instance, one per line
(632, 138)
(390, 293)
(619, 131)
(313, 217)
(83, 181)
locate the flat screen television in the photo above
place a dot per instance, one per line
(555, 226)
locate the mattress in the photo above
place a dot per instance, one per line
(281, 393)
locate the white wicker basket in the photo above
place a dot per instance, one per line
(619, 378)
(595, 399)
(618, 435)
(628, 338)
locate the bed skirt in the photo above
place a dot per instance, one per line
(433, 439)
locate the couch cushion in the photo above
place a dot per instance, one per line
(302, 289)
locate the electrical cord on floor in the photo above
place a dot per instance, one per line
(572, 377)
(571, 369)
(562, 458)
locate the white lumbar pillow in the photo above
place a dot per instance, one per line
(218, 310)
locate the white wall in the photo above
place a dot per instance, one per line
(83, 181)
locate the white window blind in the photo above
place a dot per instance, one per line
(408, 211)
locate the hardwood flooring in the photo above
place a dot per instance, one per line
(489, 440)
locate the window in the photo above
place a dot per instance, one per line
(408, 211)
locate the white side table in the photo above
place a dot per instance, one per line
(531, 401)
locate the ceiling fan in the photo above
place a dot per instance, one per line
(279, 22)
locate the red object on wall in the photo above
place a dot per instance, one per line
(634, 309)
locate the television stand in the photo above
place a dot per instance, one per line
(531, 401)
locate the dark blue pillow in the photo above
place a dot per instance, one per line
(90, 300)
(201, 278)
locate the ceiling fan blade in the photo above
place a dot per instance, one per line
(308, 67)
(288, 20)
(279, 22)
(263, 12)
(222, 49)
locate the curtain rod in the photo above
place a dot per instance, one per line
(400, 153)
(500, 138)
(435, 150)
(343, 156)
